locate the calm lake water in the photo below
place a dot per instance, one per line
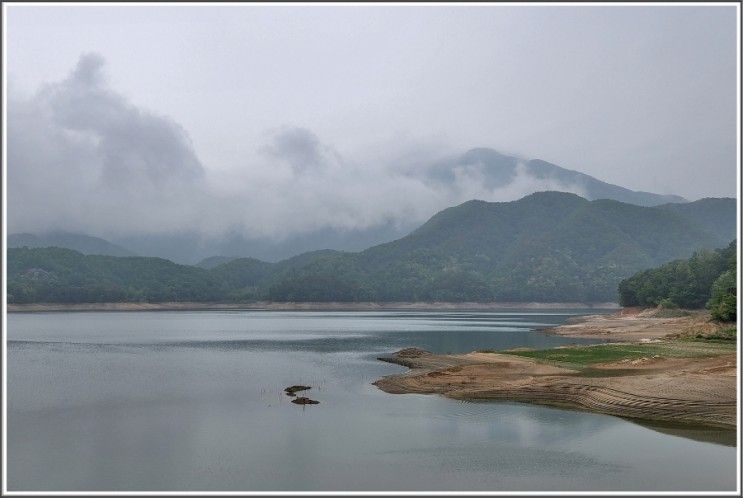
(193, 401)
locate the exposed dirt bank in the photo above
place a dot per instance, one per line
(662, 375)
(636, 324)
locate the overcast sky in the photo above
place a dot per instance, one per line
(643, 97)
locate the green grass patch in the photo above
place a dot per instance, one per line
(583, 356)
(724, 335)
(728, 335)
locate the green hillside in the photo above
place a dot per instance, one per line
(716, 214)
(548, 246)
(53, 274)
(214, 261)
(705, 279)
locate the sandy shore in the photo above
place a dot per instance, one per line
(264, 305)
(636, 325)
(678, 380)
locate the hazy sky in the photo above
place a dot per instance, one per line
(295, 113)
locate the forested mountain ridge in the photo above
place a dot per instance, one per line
(548, 246)
(75, 241)
(53, 274)
(717, 215)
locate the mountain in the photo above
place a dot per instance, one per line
(75, 241)
(718, 215)
(500, 171)
(215, 261)
(548, 246)
(479, 172)
(53, 274)
(192, 247)
(240, 278)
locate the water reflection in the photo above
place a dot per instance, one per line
(194, 401)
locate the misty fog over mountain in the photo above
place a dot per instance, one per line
(348, 132)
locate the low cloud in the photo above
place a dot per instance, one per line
(81, 157)
(301, 150)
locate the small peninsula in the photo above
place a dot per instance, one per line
(679, 368)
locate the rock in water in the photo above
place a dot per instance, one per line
(305, 401)
(412, 353)
(292, 390)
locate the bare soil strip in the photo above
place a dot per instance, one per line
(636, 324)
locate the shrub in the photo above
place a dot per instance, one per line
(724, 300)
(667, 304)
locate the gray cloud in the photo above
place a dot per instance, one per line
(640, 96)
(136, 148)
(83, 157)
(301, 149)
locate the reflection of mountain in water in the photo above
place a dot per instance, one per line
(706, 435)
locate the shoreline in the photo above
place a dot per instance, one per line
(303, 306)
(636, 325)
(650, 369)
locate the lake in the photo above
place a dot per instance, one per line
(182, 400)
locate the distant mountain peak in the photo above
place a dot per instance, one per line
(486, 154)
(498, 170)
(552, 195)
(85, 244)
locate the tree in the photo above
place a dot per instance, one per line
(724, 300)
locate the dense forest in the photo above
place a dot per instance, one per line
(549, 246)
(708, 278)
(59, 275)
